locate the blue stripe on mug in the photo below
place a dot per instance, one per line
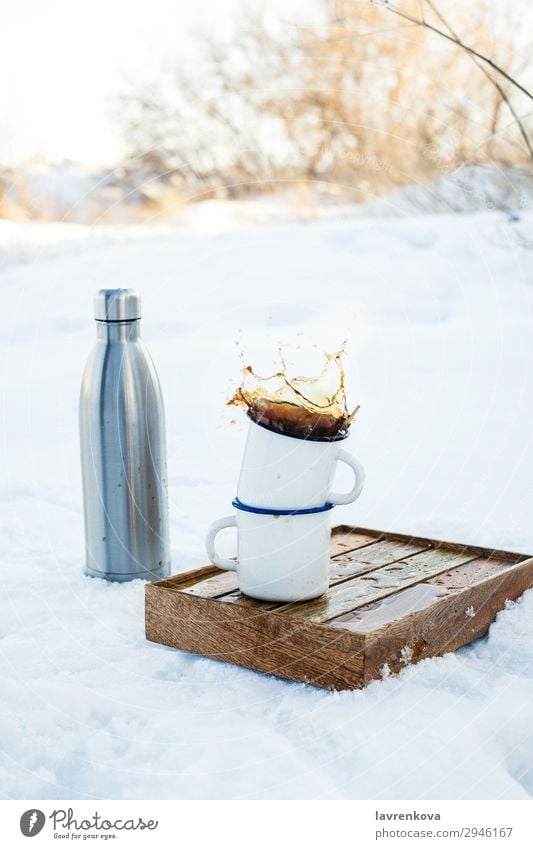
(271, 512)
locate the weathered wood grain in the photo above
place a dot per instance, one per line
(346, 539)
(357, 561)
(451, 621)
(295, 650)
(184, 579)
(394, 599)
(436, 543)
(214, 585)
(374, 585)
(372, 616)
(380, 553)
(475, 571)
(366, 551)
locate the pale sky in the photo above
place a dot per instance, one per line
(62, 62)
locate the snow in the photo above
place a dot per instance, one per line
(468, 189)
(437, 311)
(111, 202)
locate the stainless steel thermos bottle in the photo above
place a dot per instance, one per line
(123, 451)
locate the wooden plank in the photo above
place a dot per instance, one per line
(380, 553)
(457, 618)
(213, 586)
(475, 571)
(345, 539)
(211, 582)
(379, 609)
(236, 597)
(183, 579)
(385, 551)
(364, 589)
(260, 641)
(218, 582)
(343, 566)
(371, 617)
(419, 596)
(440, 543)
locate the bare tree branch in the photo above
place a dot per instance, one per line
(421, 22)
(488, 75)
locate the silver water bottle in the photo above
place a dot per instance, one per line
(123, 451)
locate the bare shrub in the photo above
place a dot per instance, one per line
(359, 103)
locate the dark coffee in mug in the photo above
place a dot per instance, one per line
(308, 408)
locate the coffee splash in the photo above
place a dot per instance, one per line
(313, 408)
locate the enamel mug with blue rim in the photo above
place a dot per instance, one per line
(280, 556)
(290, 473)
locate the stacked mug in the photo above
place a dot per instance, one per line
(282, 514)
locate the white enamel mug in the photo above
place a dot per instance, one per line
(281, 472)
(279, 557)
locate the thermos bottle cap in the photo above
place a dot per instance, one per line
(117, 305)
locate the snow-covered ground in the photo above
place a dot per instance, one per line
(438, 314)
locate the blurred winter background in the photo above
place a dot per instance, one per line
(120, 113)
(297, 172)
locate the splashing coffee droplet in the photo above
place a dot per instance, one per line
(313, 408)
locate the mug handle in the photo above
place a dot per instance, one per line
(355, 492)
(221, 562)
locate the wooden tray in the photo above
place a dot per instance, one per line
(393, 600)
